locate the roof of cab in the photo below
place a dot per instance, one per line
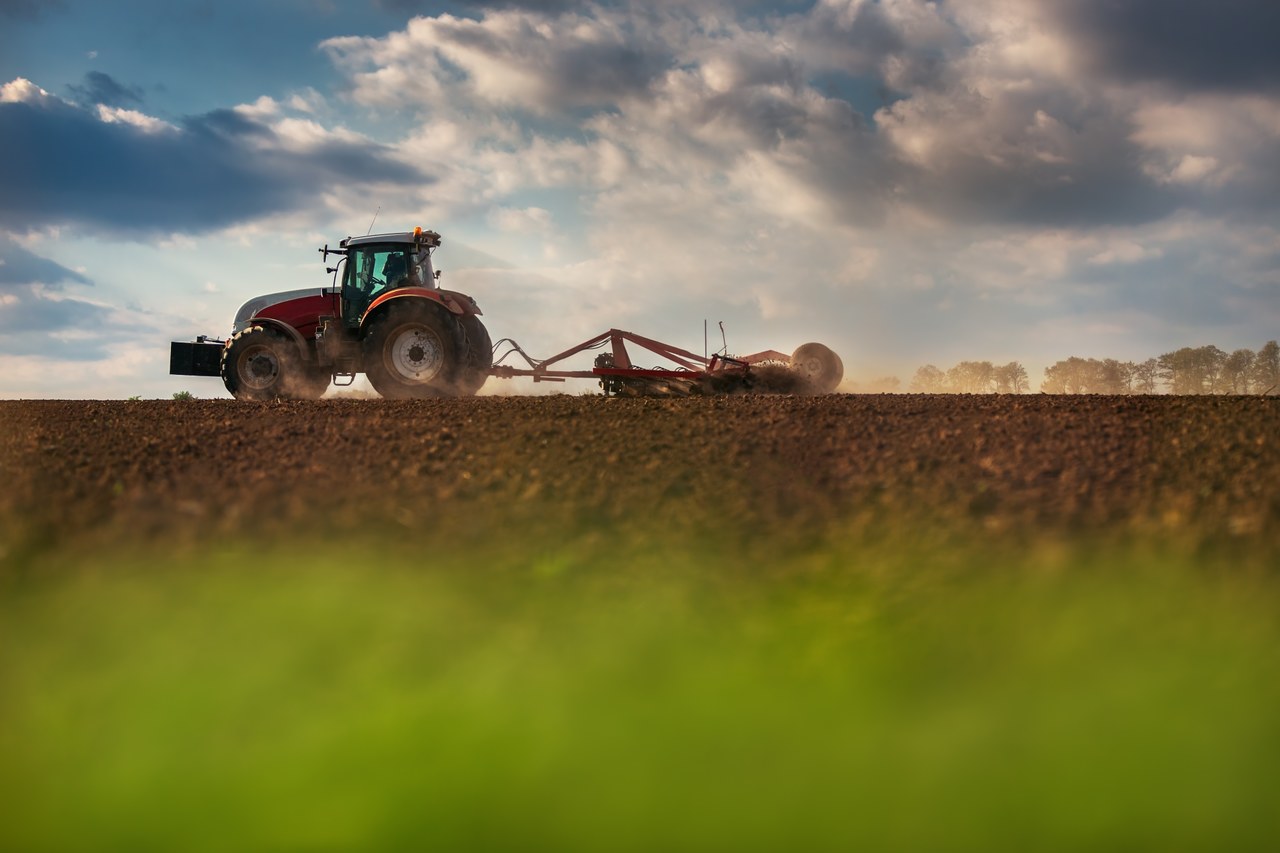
(393, 237)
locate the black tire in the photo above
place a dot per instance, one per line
(479, 356)
(821, 368)
(411, 350)
(260, 363)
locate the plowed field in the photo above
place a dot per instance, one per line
(734, 470)
(576, 623)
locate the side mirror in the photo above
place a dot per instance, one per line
(436, 274)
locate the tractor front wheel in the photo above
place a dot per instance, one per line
(262, 364)
(411, 350)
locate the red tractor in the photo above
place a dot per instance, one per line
(387, 319)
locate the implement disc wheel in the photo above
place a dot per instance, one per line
(821, 368)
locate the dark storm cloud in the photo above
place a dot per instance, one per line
(32, 309)
(61, 164)
(228, 124)
(1226, 45)
(20, 268)
(34, 313)
(600, 74)
(100, 88)
(1099, 191)
(860, 41)
(33, 324)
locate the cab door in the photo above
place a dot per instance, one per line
(358, 285)
(366, 278)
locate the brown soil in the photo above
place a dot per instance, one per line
(746, 472)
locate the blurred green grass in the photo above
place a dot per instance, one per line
(1055, 696)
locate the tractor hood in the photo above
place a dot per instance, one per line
(254, 306)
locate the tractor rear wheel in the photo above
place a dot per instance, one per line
(260, 363)
(821, 368)
(411, 350)
(479, 356)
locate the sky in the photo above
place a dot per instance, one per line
(908, 182)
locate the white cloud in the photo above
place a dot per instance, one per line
(143, 122)
(263, 108)
(308, 101)
(509, 58)
(21, 90)
(1210, 139)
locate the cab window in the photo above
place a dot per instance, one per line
(371, 270)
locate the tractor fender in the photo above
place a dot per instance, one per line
(455, 302)
(468, 305)
(450, 300)
(434, 297)
(290, 332)
(440, 297)
(443, 302)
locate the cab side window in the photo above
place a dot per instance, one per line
(369, 264)
(363, 284)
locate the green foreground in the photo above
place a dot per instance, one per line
(1056, 697)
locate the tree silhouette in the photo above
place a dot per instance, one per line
(1266, 369)
(929, 380)
(1110, 377)
(971, 377)
(1145, 376)
(1189, 370)
(1011, 378)
(1192, 370)
(1237, 372)
(1073, 375)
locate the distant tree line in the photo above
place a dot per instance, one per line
(1190, 370)
(972, 377)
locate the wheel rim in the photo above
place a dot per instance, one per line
(259, 367)
(819, 366)
(812, 368)
(416, 354)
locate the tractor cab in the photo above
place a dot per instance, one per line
(384, 316)
(381, 262)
